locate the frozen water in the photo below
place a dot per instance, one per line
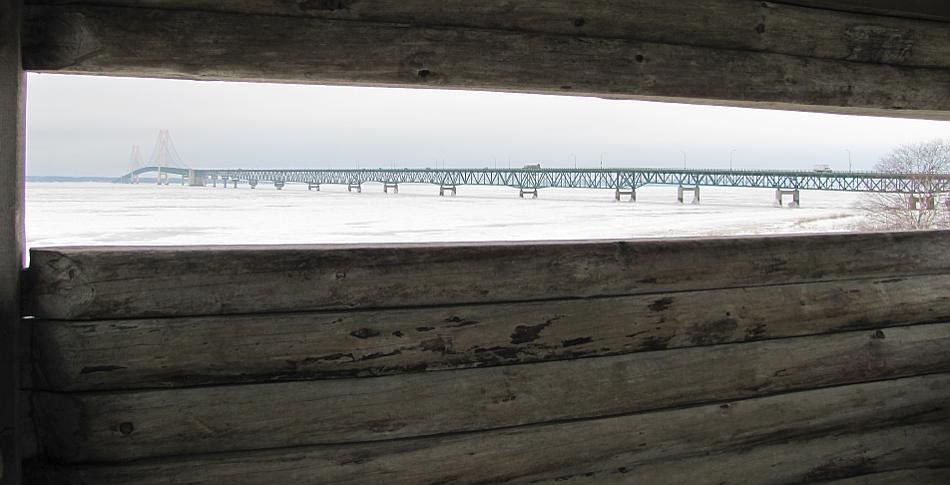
(113, 214)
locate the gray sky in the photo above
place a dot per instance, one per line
(79, 125)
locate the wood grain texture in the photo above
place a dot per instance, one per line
(721, 431)
(190, 351)
(917, 476)
(796, 461)
(916, 9)
(743, 25)
(12, 104)
(107, 426)
(92, 283)
(197, 44)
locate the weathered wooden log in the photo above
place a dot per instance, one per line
(817, 460)
(12, 170)
(88, 283)
(105, 426)
(199, 44)
(189, 351)
(922, 476)
(831, 32)
(914, 9)
(719, 432)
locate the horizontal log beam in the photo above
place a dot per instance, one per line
(95, 283)
(745, 25)
(789, 438)
(174, 352)
(918, 9)
(817, 460)
(115, 426)
(913, 475)
(760, 54)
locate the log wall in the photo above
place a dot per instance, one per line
(883, 58)
(12, 101)
(768, 360)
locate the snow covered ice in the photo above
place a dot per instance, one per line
(115, 214)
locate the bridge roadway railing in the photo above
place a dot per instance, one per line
(591, 178)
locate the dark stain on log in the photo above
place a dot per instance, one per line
(576, 341)
(365, 333)
(101, 368)
(879, 44)
(661, 305)
(714, 332)
(424, 329)
(385, 426)
(126, 428)
(330, 357)
(459, 322)
(397, 333)
(656, 343)
(305, 5)
(892, 280)
(841, 468)
(775, 265)
(437, 344)
(377, 355)
(755, 332)
(498, 353)
(647, 281)
(528, 333)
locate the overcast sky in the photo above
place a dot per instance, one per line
(80, 125)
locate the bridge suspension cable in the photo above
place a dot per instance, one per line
(135, 162)
(164, 154)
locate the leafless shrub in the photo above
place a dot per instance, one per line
(924, 209)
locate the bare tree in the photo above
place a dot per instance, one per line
(922, 209)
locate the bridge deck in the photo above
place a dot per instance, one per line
(612, 178)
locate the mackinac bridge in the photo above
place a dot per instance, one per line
(920, 190)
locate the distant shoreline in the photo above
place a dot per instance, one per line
(57, 178)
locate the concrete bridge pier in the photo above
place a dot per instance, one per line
(632, 192)
(279, 184)
(252, 183)
(680, 190)
(195, 180)
(522, 191)
(355, 185)
(780, 193)
(313, 186)
(921, 201)
(388, 185)
(443, 188)
(235, 182)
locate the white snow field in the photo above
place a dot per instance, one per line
(146, 214)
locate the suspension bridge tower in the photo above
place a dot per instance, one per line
(164, 155)
(135, 163)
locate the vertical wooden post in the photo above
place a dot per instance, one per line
(12, 101)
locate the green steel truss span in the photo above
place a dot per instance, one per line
(608, 178)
